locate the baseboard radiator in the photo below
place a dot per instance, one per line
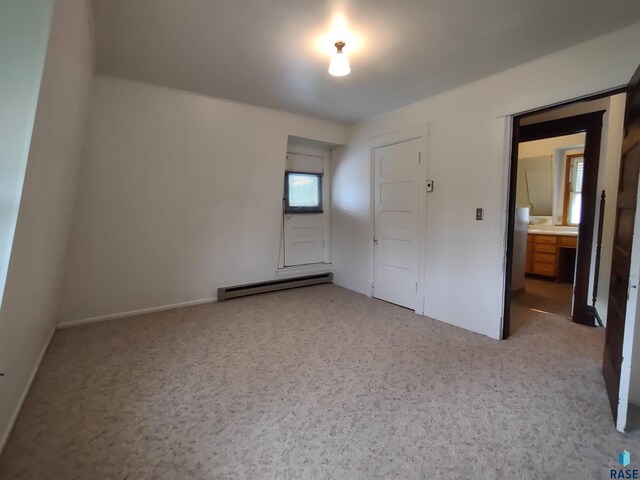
(226, 293)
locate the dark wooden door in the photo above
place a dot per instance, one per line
(621, 261)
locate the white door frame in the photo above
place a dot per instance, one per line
(420, 132)
(326, 265)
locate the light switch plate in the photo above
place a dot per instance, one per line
(479, 213)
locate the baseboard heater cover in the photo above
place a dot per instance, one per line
(226, 293)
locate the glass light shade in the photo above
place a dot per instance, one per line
(339, 66)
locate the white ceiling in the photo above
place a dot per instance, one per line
(275, 53)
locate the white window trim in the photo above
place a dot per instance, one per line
(308, 269)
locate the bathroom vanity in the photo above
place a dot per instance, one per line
(551, 254)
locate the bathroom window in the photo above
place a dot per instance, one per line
(302, 192)
(573, 189)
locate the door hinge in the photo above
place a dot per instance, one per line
(375, 240)
(416, 288)
(419, 158)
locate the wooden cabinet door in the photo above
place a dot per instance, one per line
(528, 265)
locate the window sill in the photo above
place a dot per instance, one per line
(307, 269)
(302, 211)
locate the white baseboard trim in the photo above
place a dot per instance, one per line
(23, 397)
(131, 313)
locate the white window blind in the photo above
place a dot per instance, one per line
(577, 183)
(575, 190)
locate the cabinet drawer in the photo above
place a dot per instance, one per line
(569, 241)
(549, 239)
(545, 248)
(544, 258)
(546, 269)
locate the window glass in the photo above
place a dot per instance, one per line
(303, 190)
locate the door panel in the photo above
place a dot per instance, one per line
(623, 236)
(305, 234)
(396, 204)
(304, 239)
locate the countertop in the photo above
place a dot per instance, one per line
(551, 231)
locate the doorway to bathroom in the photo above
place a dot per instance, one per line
(557, 256)
(614, 140)
(550, 180)
(565, 163)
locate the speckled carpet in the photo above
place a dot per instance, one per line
(316, 383)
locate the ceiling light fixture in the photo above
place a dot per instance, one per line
(339, 66)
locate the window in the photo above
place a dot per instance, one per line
(302, 192)
(574, 174)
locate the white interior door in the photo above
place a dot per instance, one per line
(305, 234)
(396, 219)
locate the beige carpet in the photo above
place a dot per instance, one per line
(315, 383)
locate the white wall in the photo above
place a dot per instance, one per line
(608, 177)
(468, 159)
(558, 148)
(24, 31)
(520, 234)
(27, 317)
(179, 194)
(537, 173)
